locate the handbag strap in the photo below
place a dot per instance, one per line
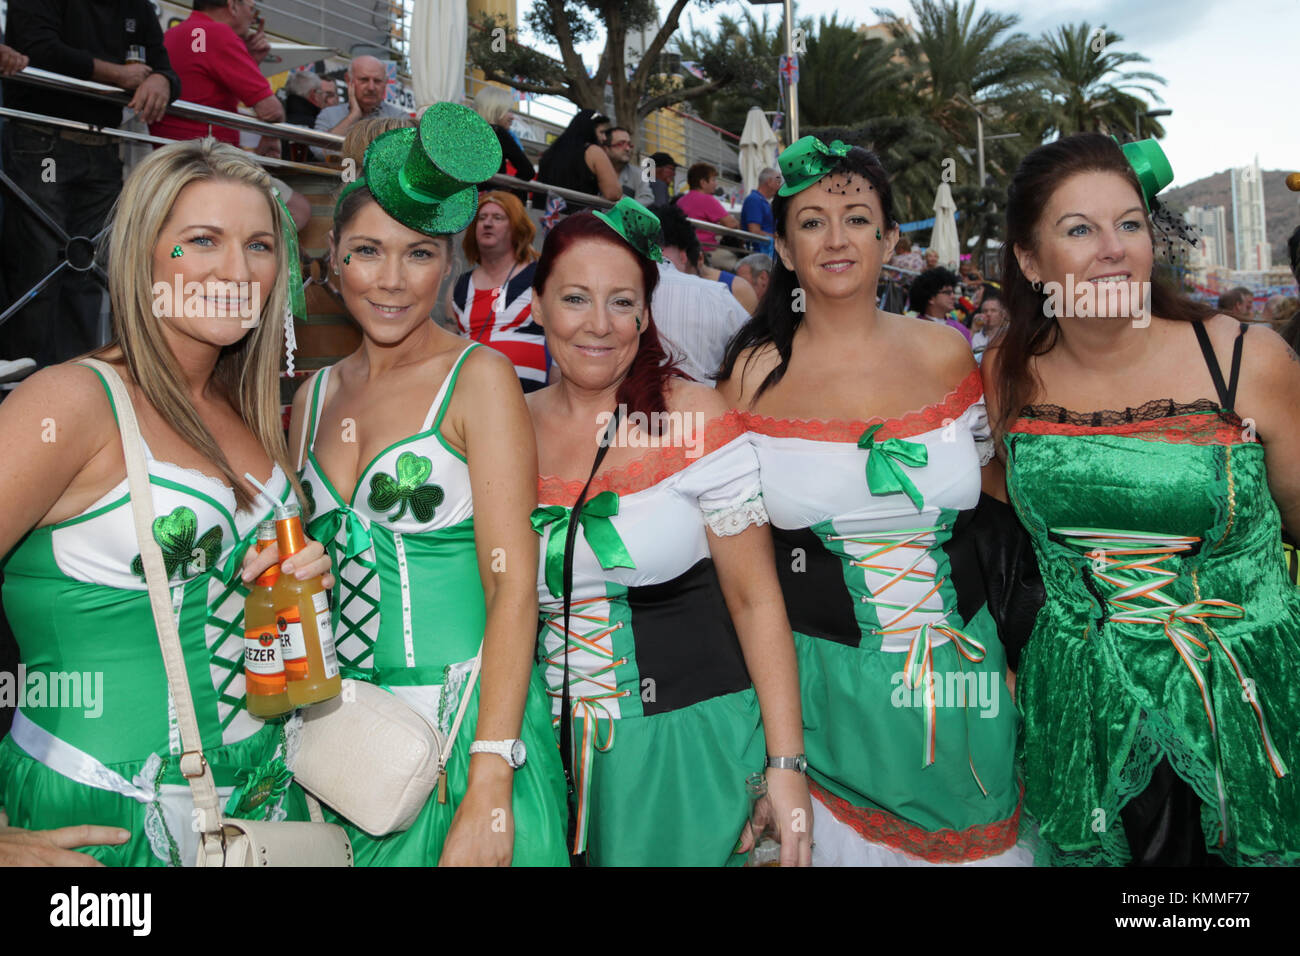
(193, 765)
(570, 539)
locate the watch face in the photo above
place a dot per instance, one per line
(518, 753)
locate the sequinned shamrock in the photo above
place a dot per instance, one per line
(175, 534)
(410, 487)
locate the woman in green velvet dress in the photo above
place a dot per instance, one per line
(1152, 452)
(418, 456)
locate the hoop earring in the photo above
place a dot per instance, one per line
(1037, 285)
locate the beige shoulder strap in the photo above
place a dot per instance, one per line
(193, 764)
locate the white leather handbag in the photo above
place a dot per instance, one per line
(223, 841)
(374, 759)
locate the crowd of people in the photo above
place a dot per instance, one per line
(704, 545)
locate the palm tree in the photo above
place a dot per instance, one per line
(845, 77)
(1088, 90)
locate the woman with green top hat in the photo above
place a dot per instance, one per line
(1152, 452)
(198, 281)
(417, 457)
(873, 449)
(666, 652)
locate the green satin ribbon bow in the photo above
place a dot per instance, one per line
(885, 475)
(289, 232)
(259, 787)
(596, 526)
(808, 160)
(326, 528)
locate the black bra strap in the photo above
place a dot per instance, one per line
(1227, 392)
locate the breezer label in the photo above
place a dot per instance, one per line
(292, 645)
(262, 651)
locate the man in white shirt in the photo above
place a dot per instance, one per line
(696, 319)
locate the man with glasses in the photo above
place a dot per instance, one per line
(990, 321)
(934, 296)
(619, 149)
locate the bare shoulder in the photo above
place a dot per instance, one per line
(1267, 356)
(487, 369)
(943, 348)
(752, 366)
(684, 396)
(70, 390)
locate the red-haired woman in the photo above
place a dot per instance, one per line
(493, 301)
(665, 692)
(1152, 453)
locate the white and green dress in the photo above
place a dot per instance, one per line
(666, 724)
(95, 738)
(410, 616)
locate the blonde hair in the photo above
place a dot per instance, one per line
(492, 103)
(365, 131)
(247, 373)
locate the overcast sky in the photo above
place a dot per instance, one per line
(1231, 65)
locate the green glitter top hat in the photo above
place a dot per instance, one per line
(635, 223)
(1151, 165)
(807, 160)
(427, 178)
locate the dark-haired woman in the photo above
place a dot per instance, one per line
(418, 457)
(1152, 453)
(663, 709)
(871, 434)
(576, 160)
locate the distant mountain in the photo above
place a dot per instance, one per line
(1281, 207)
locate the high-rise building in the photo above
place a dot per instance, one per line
(1211, 223)
(1251, 243)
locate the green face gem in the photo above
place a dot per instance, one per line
(638, 323)
(177, 252)
(877, 233)
(347, 260)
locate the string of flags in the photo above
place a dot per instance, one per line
(788, 67)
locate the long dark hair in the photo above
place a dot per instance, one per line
(1029, 332)
(643, 388)
(776, 321)
(564, 161)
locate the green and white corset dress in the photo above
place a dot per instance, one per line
(95, 739)
(909, 727)
(665, 721)
(410, 615)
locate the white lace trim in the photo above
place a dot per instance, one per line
(735, 518)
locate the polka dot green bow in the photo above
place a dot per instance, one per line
(637, 224)
(807, 161)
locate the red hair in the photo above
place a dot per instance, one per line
(643, 387)
(522, 229)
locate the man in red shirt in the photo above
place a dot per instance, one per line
(216, 57)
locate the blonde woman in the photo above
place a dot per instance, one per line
(196, 281)
(495, 104)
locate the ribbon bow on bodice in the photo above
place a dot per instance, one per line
(885, 475)
(325, 529)
(599, 530)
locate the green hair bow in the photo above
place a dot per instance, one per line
(808, 160)
(635, 223)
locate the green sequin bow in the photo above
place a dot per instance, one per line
(596, 526)
(637, 224)
(176, 534)
(885, 475)
(410, 487)
(808, 160)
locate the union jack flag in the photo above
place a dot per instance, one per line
(555, 207)
(522, 96)
(789, 68)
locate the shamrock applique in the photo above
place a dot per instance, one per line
(175, 534)
(409, 488)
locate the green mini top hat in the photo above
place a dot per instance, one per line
(427, 178)
(807, 160)
(635, 223)
(1151, 165)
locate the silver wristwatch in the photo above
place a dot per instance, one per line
(798, 764)
(512, 752)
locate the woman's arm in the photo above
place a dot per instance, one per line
(490, 416)
(606, 179)
(1269, 403)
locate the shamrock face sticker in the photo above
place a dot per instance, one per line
(175, 534)
(409, 488)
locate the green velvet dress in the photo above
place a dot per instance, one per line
(1171, 629)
